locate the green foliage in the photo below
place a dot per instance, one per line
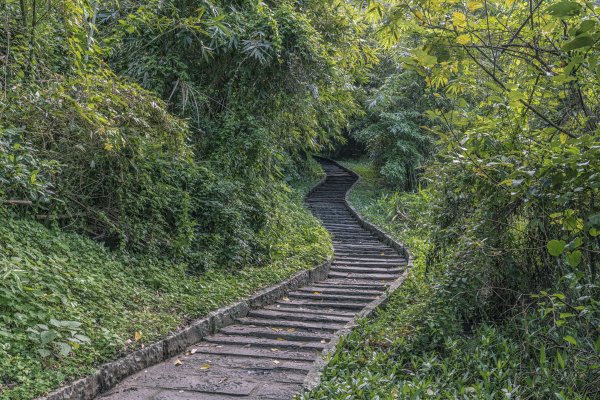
(394, 128)
(259, 85)
(59, 338)
(124, 166)
(503, 300)
(59, 289)
(518, 130)
(256, 79)
(24, 174)
(434, 339)
(40, 41)
(188, 192)
(90, 151)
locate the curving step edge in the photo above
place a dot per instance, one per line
(325, 302)
(314, 375)
(112, 373)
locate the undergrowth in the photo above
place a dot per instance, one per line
(68, 304)
(435, 340)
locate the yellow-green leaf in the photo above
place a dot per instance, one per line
(459, 20)
(463, 39)
(571, 340)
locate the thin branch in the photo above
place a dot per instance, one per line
(529, 106)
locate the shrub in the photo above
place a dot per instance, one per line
(125, 168)
(24, 174)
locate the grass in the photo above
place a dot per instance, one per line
(420, 346)
(68, 304)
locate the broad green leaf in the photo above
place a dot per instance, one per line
(556, 247)
(564, 9)
(594, 220)
(71, 324)
(475, 5)
(463, 39)
(64, 348)
(574, 258)
(459, 20)
(44, 353)
(56, 323)
(82, 338)
(578, 42)
(571, 340)
(48, 336)
(585, 26)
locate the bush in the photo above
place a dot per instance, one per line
(442, 334)
(125, 169)
(24, 175)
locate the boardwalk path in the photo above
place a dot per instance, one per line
(268, 354)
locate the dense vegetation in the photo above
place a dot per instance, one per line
(69, 304)
(167, 132)
(432, 341)
(151, 145)
(169, 126)
(503, 223)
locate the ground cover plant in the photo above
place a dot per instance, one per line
(69, 304)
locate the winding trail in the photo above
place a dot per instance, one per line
(268, 354)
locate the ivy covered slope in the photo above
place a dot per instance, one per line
(69, 304)
(436, 340)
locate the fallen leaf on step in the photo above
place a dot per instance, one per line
(323, 341)
(177, 362)
(193, 351)
(382, 254)
(276, 361)
(280, 338)
(316, 292)
(277, 329)
(137, 335)
(291, 329)
(286, 299)
(274, 349)
(205, 366)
